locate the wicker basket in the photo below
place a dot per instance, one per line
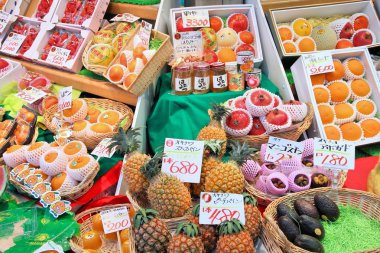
(2, 113)
(85, 219)
(367, 202)
(90, 141)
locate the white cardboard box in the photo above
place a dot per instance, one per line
(287, 15)
(305, 92)
(225, 11)
(16, 7)
(15, 75)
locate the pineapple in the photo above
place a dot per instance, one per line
(233, 238)
(208, 232)
(228, 178)
(252, 216)
(128, 144)
(151, 233)
(166, 193)
(186, 240)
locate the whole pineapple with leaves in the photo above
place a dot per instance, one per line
(166, 193)
(128, 144)
(252, 216)
(228, 178)
(151, 233)
(234, 238)
(187, 239)
(214, 130)
(208, 232)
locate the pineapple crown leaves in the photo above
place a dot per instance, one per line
(188, 228)
(214, 147)
(143, 216)
(230, 227)
(240, 152)
(249, 199)
(219, 111)
(195, 210)
(125, 142)
(153, 167)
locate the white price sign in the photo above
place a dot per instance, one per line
(31, 94)
(102, 149)
(115, 219)
(183, 159)
(218, 207)
(196, 18)
(279, 149)
(65, 98)
(125, 17)
(13, 43)
(144, 33)
(188, 43)
(334, 154)
(58, 56)
(4, 19)
(319, 63)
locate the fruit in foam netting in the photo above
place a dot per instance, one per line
(238, 122)
(338, 73)
(324, 37)
(92, 115)
(286, 33)
(363, 37)
(347, 31)
(261, 98)
(302, 27)
(129, 80)
(227, 37)
(209, 38)
(116, 73)
(239, 102)
(238, 22)
(277, 117)
(257, 127)
(290, 47)
(101, 128)
(138, 52)
(245, 47)
(344, 43)
(246, 37)
(359, 21)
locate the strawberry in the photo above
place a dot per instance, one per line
(3, 64)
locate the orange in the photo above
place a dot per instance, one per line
(58, 180)
(371, 127)
(54, 144)
(116, 73)
(339, 91)
(333, 132)
(302, 27)
(318, 79)
(72, 148)
(40, 172)
(35, 146)
(92, 115)
(13, 148)
(79, 162)
(290, 47)
(351, 131)
(110, 117)
(365, 107)
(51, 157)
(126, 247)
(101, 128)
(76, 105)
(138, 52)
(131, 212)
(321, 95)
(356, 67)
(111, 236)
(91, 240)
(327, 113)
(79, 125)
(123, 60)
(132, 66)
(285, 33)
(344, 43)
(337, 74)
(90, 251)
(344, 111)
(97, 223)
(360, 87)
(246, 37)
(226, 55)
(129, 80)
(124, 235)
(306, 44)
(29, 117)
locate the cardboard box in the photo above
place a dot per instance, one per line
(287, 15)
(305, 91)
(28, 8)
(15, 75)
(225, 11)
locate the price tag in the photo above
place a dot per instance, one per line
(4, 19)
(13, 43)
(319, 63)
(334, 154)
(144, 33)
(31, 94)
(58, 56)
(115, 219)
(218, 207)
(65, 98)
(188, 43)
(183, 159)
(102, 149)
(279, 149)
(125, 17)
(196, 18)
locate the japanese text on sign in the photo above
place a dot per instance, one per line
(196, 18)
(144, 33)
(13, 43)
(125, 17)
(65, 98)
(279, 149)
(102, 149)
(4, 19)
(188, 43)
(115, 219)
(183, 159)
(334, 154)
(58, 56)
(218, 207)
(30, 94)
(319, 63)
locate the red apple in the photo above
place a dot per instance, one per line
(347, 31)
(257, 128)
(361, 22)
(362, 38)
(238, 22)
(293, 102)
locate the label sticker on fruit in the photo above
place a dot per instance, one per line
(218, 207)
(31, 94)
(125, 17)
(102, 149)
(279, 149)
(58, 56)
(65, 98)
(188, 43)
(13, 43)
(334, 154)
(196, 18)
(115, 219)
(4, 19)
(183, 159)
(319, 63)
(144, 33)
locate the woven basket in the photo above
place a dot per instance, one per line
(85, 219)
(90, 141)
(368, 203)
(2, 113)
(292, 133)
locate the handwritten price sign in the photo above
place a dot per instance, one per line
(279, 149)
(144, 33)
(115, 219)
(183, 159)
(196, 18)
(13, 43)
(334, 154)
(188, 43)
(4, 19)
(102, 149)
(65, 98)
(31, 94)
(58, 56)
(218, 207)
(319, 63)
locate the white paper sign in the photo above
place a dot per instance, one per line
(196, 18)
(334, 154)
(31, 94)
(65, 98)
(4, 19)
(58, 56)
(12, 43)
(279, 149)
(218, 207)
(144, 33)
(102, 149)
(183, 159)
(188, 43)
(319, 63)
(125, 17)
(115, 219)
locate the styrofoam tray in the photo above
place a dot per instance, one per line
(15, 75)
(305, 92)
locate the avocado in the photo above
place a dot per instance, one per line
(312, 227)
(309, 243)
(288, 227)
(303, 206)
(284, 209)
(327, 208)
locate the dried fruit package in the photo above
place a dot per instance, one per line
(28, 30)
(43, 8)
(77, 11)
